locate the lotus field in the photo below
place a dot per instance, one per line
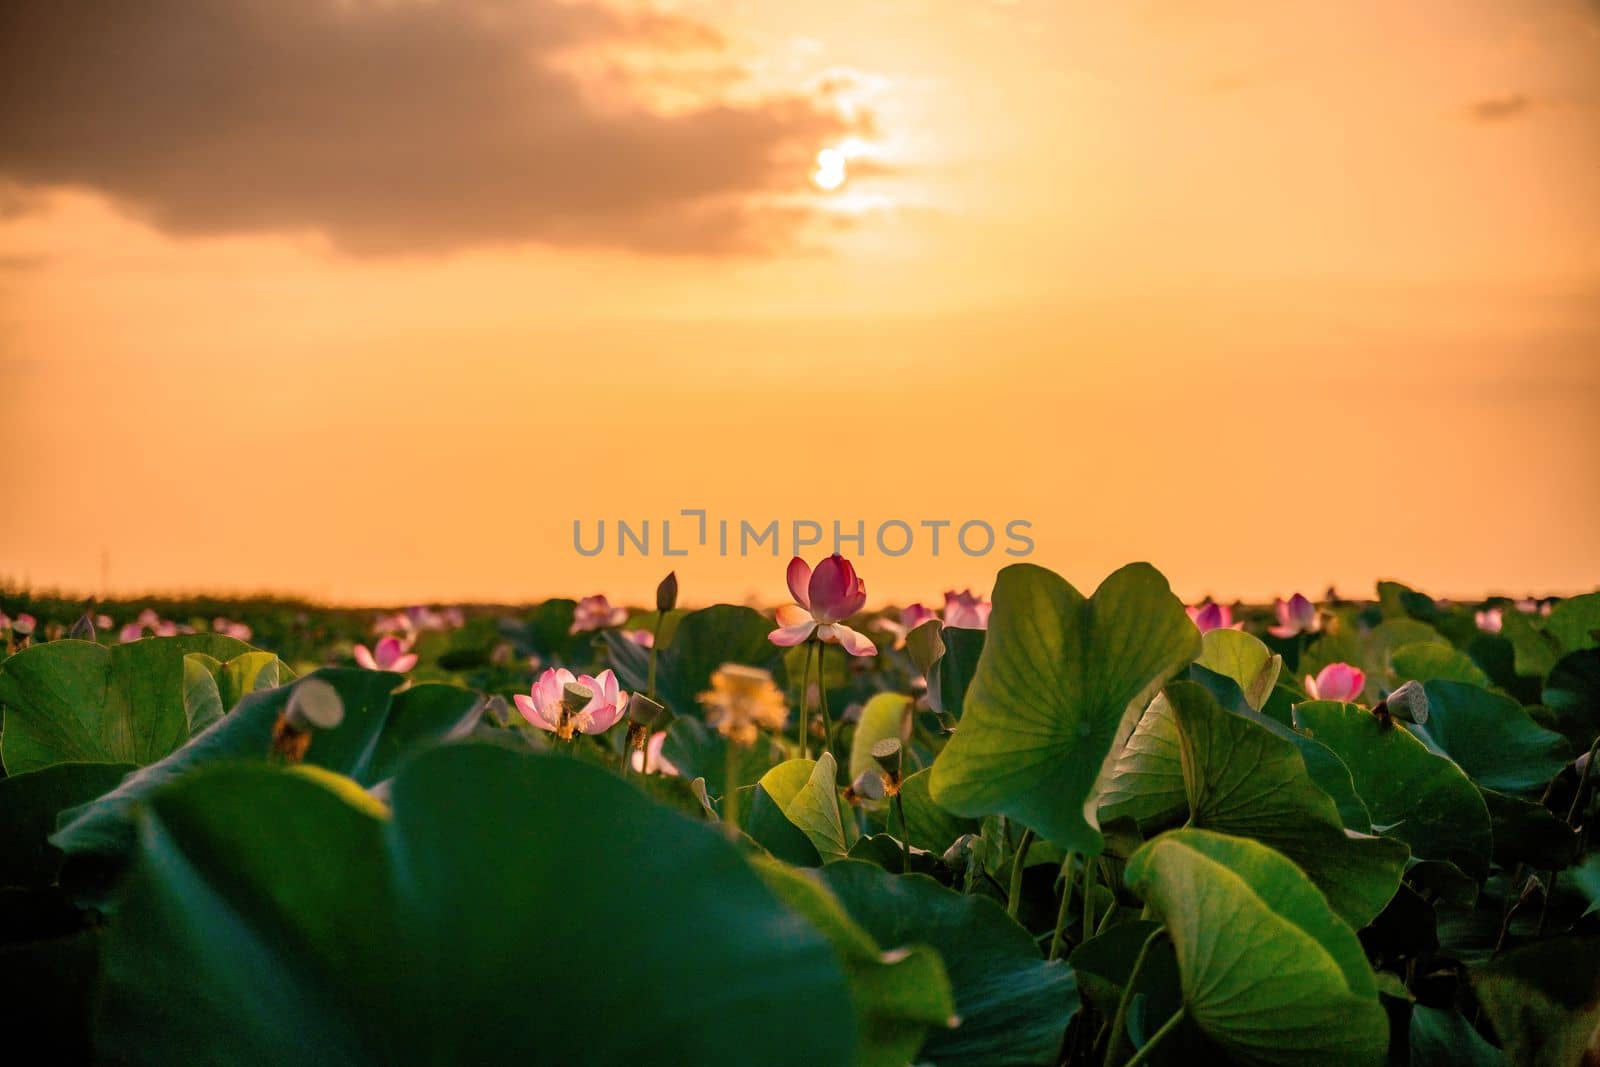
(1043, 826)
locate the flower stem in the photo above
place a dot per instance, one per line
(1091, 868)
(905, 845)
(822, 698)
(1058, 942)
(1155, 1038)
(805, 700)
(655, 642)
(1018, 861)
(1119, 1024)
(730, 789)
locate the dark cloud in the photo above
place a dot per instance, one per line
(1500, 108)
(398, 126)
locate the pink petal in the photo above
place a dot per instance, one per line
(530, 711)
(854, 642)
(793, 615)
(800, 581)
(602, 719)
(364, 658)
(788, 636)
(404, 663)
(833, 586)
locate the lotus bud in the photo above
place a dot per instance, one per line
(667, 593)
(497, 710)
(83, 629)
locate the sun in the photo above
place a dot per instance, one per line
(830, 172)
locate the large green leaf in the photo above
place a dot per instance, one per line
(1420, 797)
(211, 687)
(1059, 687)
(1146, 782)
(1575, 622)
(1572, 693)
(29, 804)
(516, 907)
(1544, 1000)
(378, 727)
(1269, 972)
(951, 677)
(1428, 661)
(1440, 1037)
(805, 792)
(928, 826)
(1491, 737)
(1014, 1007)
(899, 995)
(1242, 657)
(79, 702)
(704, 641)
(1242, 779)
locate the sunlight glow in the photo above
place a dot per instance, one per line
(830, 173)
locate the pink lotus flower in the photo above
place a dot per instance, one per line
(543, 708)
(1297, 615)
(148, 619)
(166, 628)
(1489, 620)
(24, 624)
(131, 632)
(236, 630)
(823, 599)
(966, 611)
(1336, 681)
(389, 654)
(642, 638)
(1213, 616)
(596, 613)
(103, 622)
(651, 757)
(910, 618)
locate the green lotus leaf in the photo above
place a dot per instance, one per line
(267, 917)
(1544, 1000)
(929, 826)
(1491, 737)
(211, 687)
(1269, 971)
(1060, 685)
(1430, 662)
(1014, 1007)
(1242, 657)
(79, 702)
(1420, 797)
(899, 995)
(1575, 622)
(1240, 778)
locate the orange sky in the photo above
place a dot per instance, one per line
(1271, 295)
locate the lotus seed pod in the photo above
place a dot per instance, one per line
(643, 710)
(314, 703)
(1409, 703)
(887, 754)
(575, 697)
(869, 785)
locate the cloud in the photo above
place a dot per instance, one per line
(405, 126)
(1500, 108)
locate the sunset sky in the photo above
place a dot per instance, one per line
(368, 300)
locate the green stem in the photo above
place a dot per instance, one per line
(730, 792)
(905, 845)
(1091, 871)
(1018, 861)
(655, 642)
(1119, 1022)
(822, 698)
(1058, 940)
(1155, 1039)
(805, 699)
